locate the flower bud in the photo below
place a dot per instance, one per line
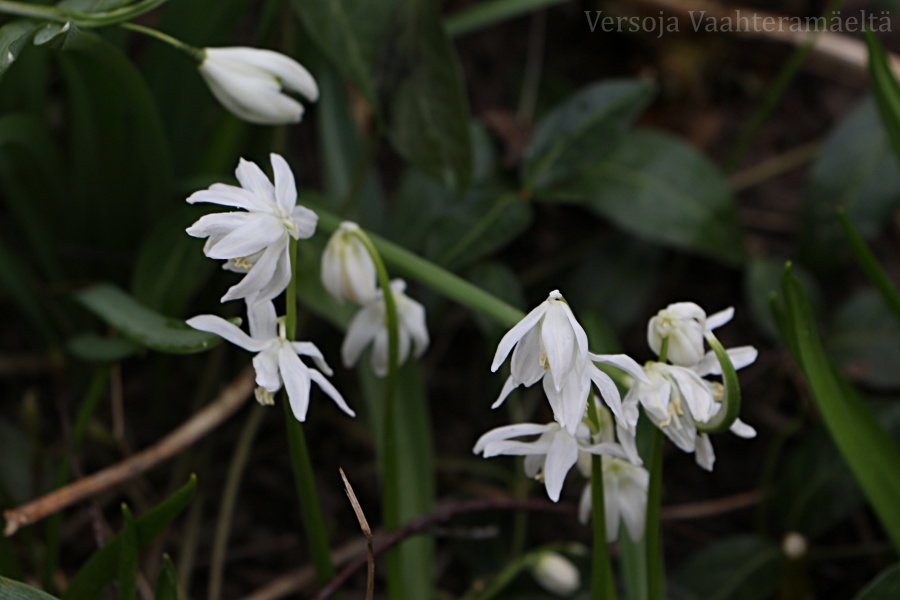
(556, 574)
(347, 268)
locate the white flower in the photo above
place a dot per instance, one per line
(369, 325)
(276, 362)
(624, 497)
(684, 324)
(556, 574)
(256, 240)
(550, 456)
(250, 83)
(347, 268)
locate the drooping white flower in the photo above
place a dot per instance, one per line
(684, 324)
(369, 325)
(556, 574)
(277, 361)
(250, 83)
(347, 268)
(624, 497)
(255, 240)
(550, 456)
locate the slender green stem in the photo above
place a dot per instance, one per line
(664, 350)
(310, 511)
(390, 472)
(602, 583)
(229, 498)
(196, 53)
(81, 19)
(653, 535)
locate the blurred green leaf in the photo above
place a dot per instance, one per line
(17, 283)
(142, 325)
(737, 568)
(500, 280)
(583, 129)
(884, 587)
(816, 490)
(864, 340)
(855, 170)
(492, 12)
(14, 36)
(16, 451)
(414, 451)
(886, 90)
(762, 277)
(871, 455)
(663, 190)
(128, 557)
(167, 581)
(13, 590)
(101, 568)
(869, 265)
(92, 6)
(54, 35)
(170, 266)
(94, 348)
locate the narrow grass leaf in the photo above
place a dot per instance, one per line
(884, 587)
(128, 557)
(101, 567)
(482, 15)
(886, 90)
(167, 581)
(869, 265)
(870, 453)
(14, 590)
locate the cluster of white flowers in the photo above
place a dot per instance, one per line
(550, 345)
(348, 272)
(256, 241)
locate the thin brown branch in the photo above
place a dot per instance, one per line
(232, 397)
(709, 508)
(367, 531)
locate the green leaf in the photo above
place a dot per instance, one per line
(18, 284)
(856, 170)
(738, 568)
(582, 130)
(13, 590)
(170, 266)
(660, 188)
(166, 581)
(101, 568)
(864, 340)
(428, 119)
(867, 261)
(94, 348)
(762, 277)
(414, 452)
(886, 90)
(884, 587)
(14, 36)
(142, 325)
(491, 12)
(128, 557)
(92, 6)
(871, 455)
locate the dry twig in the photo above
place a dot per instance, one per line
(367, 531)
(229, 401)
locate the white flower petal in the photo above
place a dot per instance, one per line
(266, 366)
(517, 333)
(508, 387)
(253, 235)
(361, 331)
(305, 221)
(525, 366)
(285, 188)
(510, 431)
(741, 429)
(558, 339)
(704, 454)
(311, 350)
(216, 226)
(229, 195)
(258, 277)
(296, 378)
(720, 318)
(262, 318)
(623, 362)
(561, 457)
(253, 179)
(584, 504)
(226, 330)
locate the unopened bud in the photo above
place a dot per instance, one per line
(556, 574)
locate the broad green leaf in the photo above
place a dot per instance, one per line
(94, 348)
(54, 35)
(884, 587)
(428, 116)
(737, 568)
(14, 590)
(856, 170)
(167, 581)
(885, 89)
(14, 36)
(170, 266)
(101, 568)
(351, 34)
(414, 452)
(864, 340)
(816, 490)
(583, 129)
(142, 325)
(492, 12)
(663, 190)
(871, 455)
(128, 557)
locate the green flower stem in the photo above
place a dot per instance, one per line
(653, 538)
(437, 278)
(196, 53)
(731, 408)
(602, 583)
(390, 472)
(310, 511)
(97, 19)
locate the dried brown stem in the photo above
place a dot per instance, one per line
(367, 531)
(229, 401)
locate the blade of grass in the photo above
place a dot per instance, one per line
(886, 90)
(485, 14)
(867, 261)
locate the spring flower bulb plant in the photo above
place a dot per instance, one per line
(277, 361)
(347, 269)
(369, 326)
(255, 240)
(251, 84)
